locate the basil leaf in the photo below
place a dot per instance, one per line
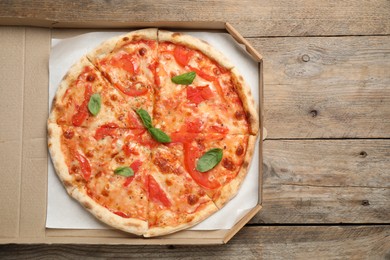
(145, 117)
(124, 171)
(94, 104)
(209, 160)
(159, 135)
(184, 79)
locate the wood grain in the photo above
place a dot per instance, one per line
(328, 87)
(250, 17)
(300, 242)
(326, 181)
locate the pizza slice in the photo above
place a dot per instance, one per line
(105, 170)
(128, 62)
(198, 86)
(216, 162)
(87, 99)
(176, 201)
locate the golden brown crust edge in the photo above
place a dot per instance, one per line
(209, 209)
(135, 226)
(109, 45)
(195, 43)
(248, 102)
(66, 81)
(231, 189)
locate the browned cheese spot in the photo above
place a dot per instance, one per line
(239, 150)
(163, 164)
(192, 199)
(90, 78)
(228, 164)
(142, 51)
(89, 154)
(68, 134)
(120, 159)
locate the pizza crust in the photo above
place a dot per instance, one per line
(131, 225)
(230, 190)
(248, 102)
(110, 45)
(197, 44)
(209, 209)
(57, 156)
(66, 82)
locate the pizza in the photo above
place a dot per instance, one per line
(152, 131)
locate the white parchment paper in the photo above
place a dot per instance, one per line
(64, 212)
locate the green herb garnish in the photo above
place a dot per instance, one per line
(184, 79)
(209, 160)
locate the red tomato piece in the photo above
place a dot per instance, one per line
(198, 94)
(121, 214)
(203, 74)
(82, 110)
(156, 194)
(135, 166)
(134, 122)
(84, 165)
(194, 126)
(105, 130)
(132, 91)
(129, 150)
(219, 129)
(127, 62)
(182, 55)
(191, 153)
(152, 68)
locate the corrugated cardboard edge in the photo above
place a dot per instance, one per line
(115, 237)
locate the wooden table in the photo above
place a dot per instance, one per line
(327, 112)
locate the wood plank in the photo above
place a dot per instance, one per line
(251, 18)
(328, 87)
(326, 181)
(254, 242)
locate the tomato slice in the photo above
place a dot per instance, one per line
(121, 214)
(82, 110)
(203, 74)
(194, 126)
(191, 153)
(134, 122)
(84, 165)
(132, 91)
(198, 94)
(135, 166)
(182, 137)
(127, 62)
(105, 130)
(156, 194)
(152, 68)
(182, 55)
(219, 129)
(128, 150)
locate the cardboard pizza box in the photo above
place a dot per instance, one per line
(24, 76)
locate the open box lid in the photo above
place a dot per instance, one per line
(23, 141)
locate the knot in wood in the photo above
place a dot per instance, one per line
(313, 113)
(363, 154)
(305, 58)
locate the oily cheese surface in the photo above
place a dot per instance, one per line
(111, 117)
